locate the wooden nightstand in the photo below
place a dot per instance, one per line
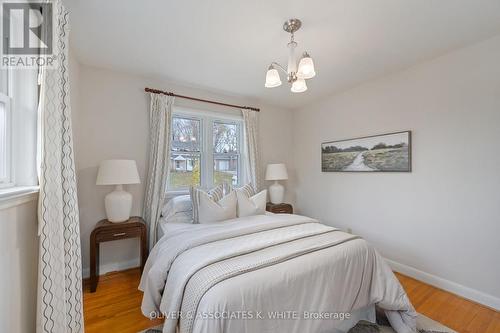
(105, 231)
(282, 208)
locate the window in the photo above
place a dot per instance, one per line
(186, 152)
(206, 149)
(226, 143)
(18, 129)
(5, 140)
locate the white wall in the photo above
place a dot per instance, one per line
(18, 262)
(112, 122)
(442, 219)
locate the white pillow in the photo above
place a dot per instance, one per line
(215, 193)
(210, 210)
(178, 204)
(207, 199)
(247, 189)
(251, 205)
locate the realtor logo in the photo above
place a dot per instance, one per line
(27, 35)
(27, 28)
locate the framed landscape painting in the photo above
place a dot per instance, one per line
(379, 153)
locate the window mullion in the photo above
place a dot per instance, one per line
(208, 152)
(242, 177)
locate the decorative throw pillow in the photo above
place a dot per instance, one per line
(250, 203)
(212, 206)
(247, 189)
(215, 193)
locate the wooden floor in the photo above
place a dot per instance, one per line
(115, 306)
(455, 312)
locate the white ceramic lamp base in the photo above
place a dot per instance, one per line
(276, 193)
(118, 205)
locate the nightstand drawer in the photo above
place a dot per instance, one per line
(281, 211)
(109, 235)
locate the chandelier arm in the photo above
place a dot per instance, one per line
(279, 66)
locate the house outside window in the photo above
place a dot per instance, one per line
(206, 149)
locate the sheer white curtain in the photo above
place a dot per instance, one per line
(252, 151)
(160, 123)
(59, 301)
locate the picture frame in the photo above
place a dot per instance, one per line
(390, 152)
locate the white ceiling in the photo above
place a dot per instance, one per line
(226, 45)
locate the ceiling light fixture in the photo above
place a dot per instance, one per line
(296, 74)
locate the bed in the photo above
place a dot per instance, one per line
(269, 273)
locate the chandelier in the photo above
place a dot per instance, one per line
(296, 74)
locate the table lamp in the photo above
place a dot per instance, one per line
(276, 191)
(118, 203)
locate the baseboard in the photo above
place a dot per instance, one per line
(450, 286)
(112, 267)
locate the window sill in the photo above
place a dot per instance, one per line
(15, 196)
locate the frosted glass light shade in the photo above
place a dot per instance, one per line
(272, 78)
(117, 172)
(306, 67)
(276, 172)
(299, 86)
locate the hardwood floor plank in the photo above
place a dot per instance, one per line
(451, 310)
(115, 306)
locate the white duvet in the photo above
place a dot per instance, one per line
(279, 273)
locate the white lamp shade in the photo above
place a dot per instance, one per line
(299, 86)
(306, 67)
(117, 172)
(272, 78)
(276, 172)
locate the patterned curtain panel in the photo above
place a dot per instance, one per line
(59, 301)
(160, 122)
(251, 127)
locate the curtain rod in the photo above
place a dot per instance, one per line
(156, 91)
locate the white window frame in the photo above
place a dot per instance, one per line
(7, 181)
(207, 118)
(21, 88)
